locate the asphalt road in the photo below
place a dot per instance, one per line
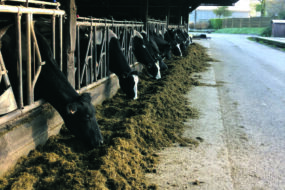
(241, 101)
(252, 99)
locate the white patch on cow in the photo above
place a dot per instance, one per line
(158, 76)
(178, 46)
(99, 37)
(136, 33)
(143, 46)
(136, 79)
(111, 35)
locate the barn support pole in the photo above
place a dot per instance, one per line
(70, 40)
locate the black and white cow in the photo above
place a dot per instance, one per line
(153, 48)
(118, 64)
(76, 110)
(171, 37)
(144, 56)
(163, 45)
(183, 39)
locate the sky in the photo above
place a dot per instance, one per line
(241, 5)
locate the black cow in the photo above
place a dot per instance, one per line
(118, 64)
(76, 110)
(144, 56)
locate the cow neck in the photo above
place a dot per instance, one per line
(55, 89)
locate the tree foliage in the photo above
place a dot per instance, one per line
(271, 8)
(222, 12)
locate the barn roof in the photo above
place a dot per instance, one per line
(138, 9)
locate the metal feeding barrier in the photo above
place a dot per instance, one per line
(53, 20)
(157, 26)
(92, 49)
(91, 55)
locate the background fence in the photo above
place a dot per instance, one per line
(253, 22)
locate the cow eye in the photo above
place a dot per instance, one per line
(87, 117)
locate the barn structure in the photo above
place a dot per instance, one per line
(26, 121)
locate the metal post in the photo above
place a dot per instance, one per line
(53, 35)
(60, 42)
(91, 54)
(78, 58)
(105, 48)
(28, 66)
(20, 100)
(95, 52)
(107, 52)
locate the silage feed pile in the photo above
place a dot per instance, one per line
(132, 129)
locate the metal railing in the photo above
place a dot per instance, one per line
(156, 26)
(92, 53)
(53, 19)
(92, 50)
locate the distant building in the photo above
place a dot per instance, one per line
(205, 13)
(278, 28)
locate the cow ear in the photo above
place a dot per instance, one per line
(85, 97)
(71, 108)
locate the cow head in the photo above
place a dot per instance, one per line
(81, 121)
(129, 84)
(154, 70)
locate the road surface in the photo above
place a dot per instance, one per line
(242, 122)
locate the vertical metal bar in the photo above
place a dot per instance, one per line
(60, 43)
(20, 100)
(78, 58)
(130, 47)
(53, 35)
(28, 66)
(105, 49)
(125, 44)
(85, 64)
(33, 58)
(95, 52)
(91, 54)
(107, 53)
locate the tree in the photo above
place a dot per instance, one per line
(271, 8)
(262, 7)
(275, 7)
(222, 11)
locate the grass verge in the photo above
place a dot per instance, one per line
(255, 31)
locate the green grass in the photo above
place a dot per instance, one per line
(265, 43)
(257, 31)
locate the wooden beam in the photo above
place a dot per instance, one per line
(69, 40)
